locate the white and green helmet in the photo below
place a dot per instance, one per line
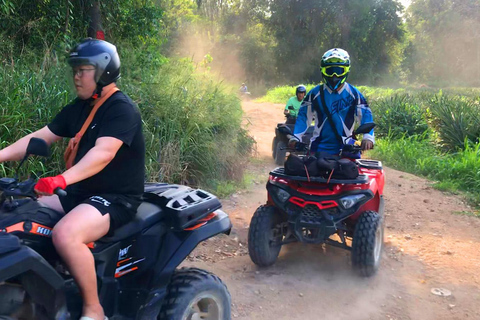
(335, 67)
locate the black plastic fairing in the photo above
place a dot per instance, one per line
(8, 243)
(38, 278)
(25, 259)
(180, 244)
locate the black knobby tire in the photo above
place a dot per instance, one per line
(367, 243)
(194, 292)
(11, 298)
(260, 248)
(274, 147)
(280, 153)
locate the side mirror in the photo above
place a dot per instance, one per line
(37, 147)
(285, 130)
(365, 128)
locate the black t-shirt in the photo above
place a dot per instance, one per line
(119, 118)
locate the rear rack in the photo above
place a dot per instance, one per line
(184, 206)
(280, 172)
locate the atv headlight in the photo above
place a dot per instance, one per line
(282, 195)
(349, 201)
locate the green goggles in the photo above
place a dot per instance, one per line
(339, 71)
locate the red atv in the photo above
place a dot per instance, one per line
(348, 214)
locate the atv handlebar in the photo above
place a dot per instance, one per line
(11, 187)
(295, 144)
(60, 192)
(351, 148)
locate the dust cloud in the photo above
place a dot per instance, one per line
(199, 44)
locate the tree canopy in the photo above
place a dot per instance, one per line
(436, 42)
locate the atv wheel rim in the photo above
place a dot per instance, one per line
(205, 306)
(378, 244)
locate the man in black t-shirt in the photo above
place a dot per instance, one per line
(105, 182)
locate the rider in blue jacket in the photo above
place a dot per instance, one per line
(344, 102)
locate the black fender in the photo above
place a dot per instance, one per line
(176, 254)
(178, 247)
(37, 277)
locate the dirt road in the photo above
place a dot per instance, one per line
(429, 244)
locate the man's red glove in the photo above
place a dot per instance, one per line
(47, 186)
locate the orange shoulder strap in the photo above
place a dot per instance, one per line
(73, 144)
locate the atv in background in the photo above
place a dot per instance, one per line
(136, 266)
(280, 141)
(345, 213)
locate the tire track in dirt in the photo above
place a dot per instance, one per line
(427, 245)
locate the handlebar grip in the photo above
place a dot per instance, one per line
(351, 148)
(300, 146)
(60, 192)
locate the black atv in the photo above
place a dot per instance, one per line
(136, 266)
(280, 141)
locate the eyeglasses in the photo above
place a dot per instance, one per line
(330, 71)
(79, 72)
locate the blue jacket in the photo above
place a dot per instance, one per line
(346, 106)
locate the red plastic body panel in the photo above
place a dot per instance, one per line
(376, 184)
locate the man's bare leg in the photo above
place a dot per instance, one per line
(53, 202)
(80, 226)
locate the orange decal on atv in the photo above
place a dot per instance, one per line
(122, 261)
(41, 230)
(121, 273)
(15, 227)
(202, 221)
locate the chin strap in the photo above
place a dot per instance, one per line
(98, 92)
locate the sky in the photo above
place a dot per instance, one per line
(406, 3)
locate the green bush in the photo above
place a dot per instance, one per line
(460, 170)
(457, 121)
(375, 93)
(399, 115)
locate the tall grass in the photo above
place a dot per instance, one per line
(457, 121)
(459, 170)
(191, 122)
(29, 97)
(399, 115)
(281, 94)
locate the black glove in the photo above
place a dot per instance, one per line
(292, 143)
(300, 146)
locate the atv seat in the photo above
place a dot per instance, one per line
(280, 172)
(147, 215)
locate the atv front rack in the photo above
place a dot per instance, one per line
(369, 164)
(280, 172)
